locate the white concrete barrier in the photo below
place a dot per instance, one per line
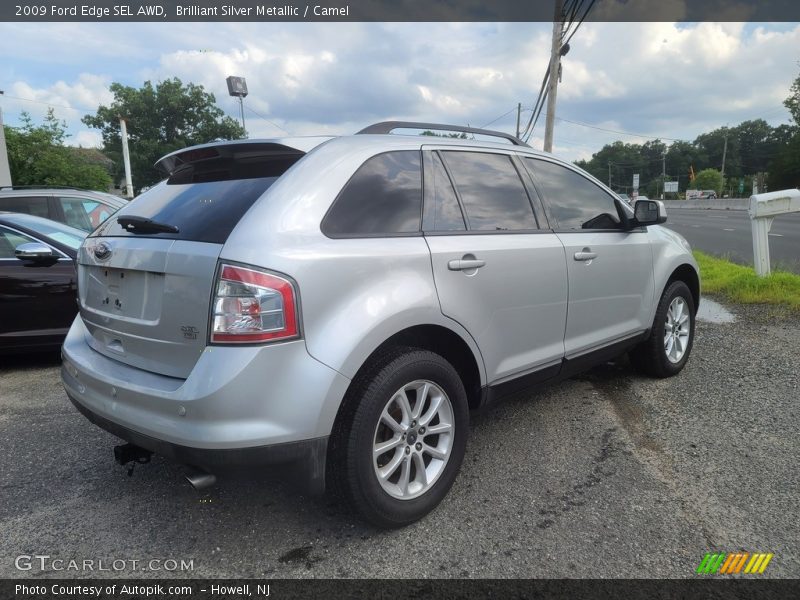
(706, 204)
(763, 209)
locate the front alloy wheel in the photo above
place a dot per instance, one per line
(665, 352)
(677, 328)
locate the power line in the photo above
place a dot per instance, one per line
(505, 114)
(50, 104)
(617, 131)
(258, 114)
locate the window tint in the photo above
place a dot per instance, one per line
(9, 240)
(202, 212)
(384, 196)
(575, 202)
(446, 211)
(78, 212)
(32, 205)
(491, 191)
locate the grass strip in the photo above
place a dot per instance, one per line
(741, 284)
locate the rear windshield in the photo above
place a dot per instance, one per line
(205, 205)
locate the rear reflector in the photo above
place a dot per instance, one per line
(252, 306)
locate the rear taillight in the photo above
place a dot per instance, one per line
(252, 306)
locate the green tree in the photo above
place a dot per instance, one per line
(160, 119)
(709, 179)
(37, 156)
(784, 171)
(793, 101)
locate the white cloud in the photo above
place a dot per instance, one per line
(659, 79)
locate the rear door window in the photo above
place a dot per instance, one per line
(382, 198)
(78, 212)
(445, 213)
(31, 205)
(492, 193)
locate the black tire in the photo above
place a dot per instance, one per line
(650, 357)
(351, 475)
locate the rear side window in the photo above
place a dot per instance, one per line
(205, 202)
(31, 205)
(491, 190)
(574, 201)
(383, 197)
(77, 212)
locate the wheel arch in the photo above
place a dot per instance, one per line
(687, 274)
(445, 342)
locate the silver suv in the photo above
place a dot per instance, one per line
(340, 304)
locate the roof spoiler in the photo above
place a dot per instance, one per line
(385, 127)
(237, 150)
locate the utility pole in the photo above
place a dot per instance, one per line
(126, 157)
(519, 114)
(5, 170)
(663, 173)
(552, 85)
(609, 173)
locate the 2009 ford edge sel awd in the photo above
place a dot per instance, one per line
(340, 304)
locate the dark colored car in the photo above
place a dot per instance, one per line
(38, 281)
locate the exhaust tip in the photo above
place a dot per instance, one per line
(199, 479)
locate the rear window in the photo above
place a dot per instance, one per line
(31, 205)
(205, 204)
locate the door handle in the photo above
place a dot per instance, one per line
(465, 264)
(585, 254)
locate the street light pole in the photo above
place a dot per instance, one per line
(5, 170)
(126, 157)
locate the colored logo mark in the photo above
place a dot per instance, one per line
(730, 563)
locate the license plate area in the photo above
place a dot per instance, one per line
(123, 293)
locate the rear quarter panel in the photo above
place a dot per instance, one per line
(354, 293)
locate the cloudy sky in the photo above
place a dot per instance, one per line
(665, 80)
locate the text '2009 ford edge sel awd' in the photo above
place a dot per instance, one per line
(340, 304)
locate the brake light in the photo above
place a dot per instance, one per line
(252, 306)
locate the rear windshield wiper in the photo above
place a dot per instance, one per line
(136, 224)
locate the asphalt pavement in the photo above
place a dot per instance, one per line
(727, 233)
(606, 475)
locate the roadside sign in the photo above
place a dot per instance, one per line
(670, 186)
(636, 181)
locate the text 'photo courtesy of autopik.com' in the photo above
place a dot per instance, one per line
(399, 299)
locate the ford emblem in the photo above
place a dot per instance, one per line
(102, 251)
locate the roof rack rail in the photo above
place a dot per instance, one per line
(43, 187)
(389, 126)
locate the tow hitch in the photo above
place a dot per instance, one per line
(130, 454)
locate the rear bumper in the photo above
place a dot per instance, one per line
(239, 406)
(308, 456)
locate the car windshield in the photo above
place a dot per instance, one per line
(49, 230)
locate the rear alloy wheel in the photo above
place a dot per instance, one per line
(413, 439)
(400, 439)
(665, 352)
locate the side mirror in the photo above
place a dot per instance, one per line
(649, 212)
(34, 251)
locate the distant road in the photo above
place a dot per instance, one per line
(727, 233)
